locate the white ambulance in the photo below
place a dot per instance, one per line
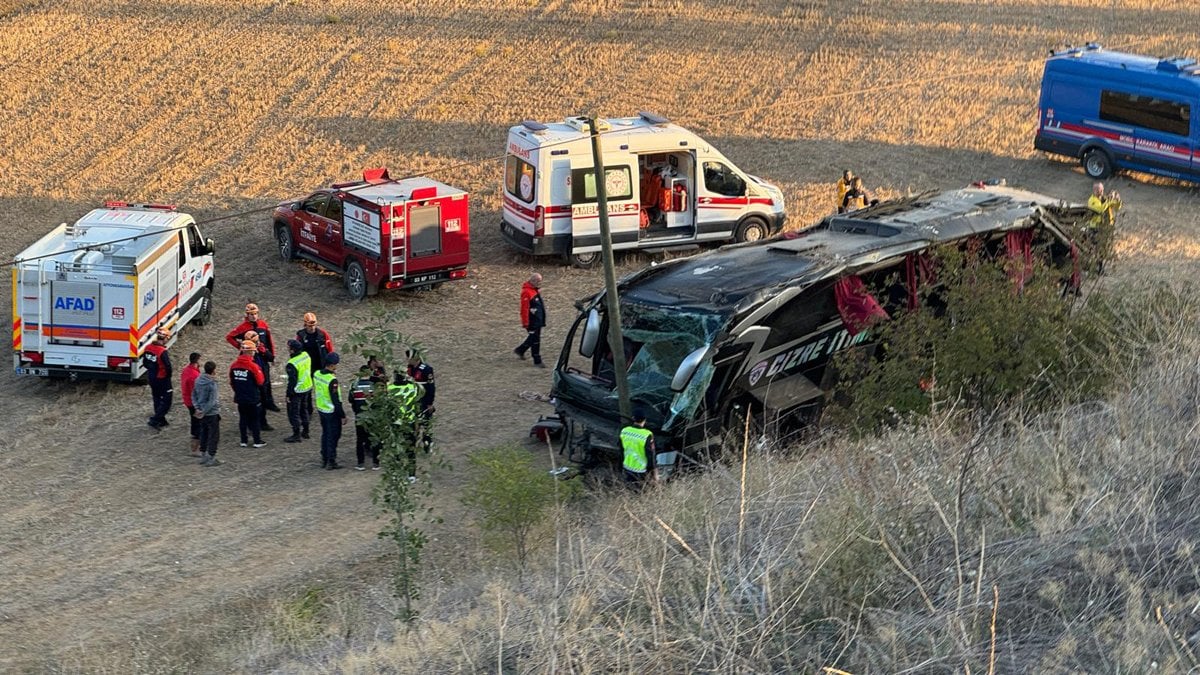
(88, 297)
(667, 188)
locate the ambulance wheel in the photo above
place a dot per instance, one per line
(750, 229)
(205, 313)
(1097, 163)
(287, 248)
(356, 280)
(584, 261)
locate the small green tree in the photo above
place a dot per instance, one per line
(511, 496)
(395, 494)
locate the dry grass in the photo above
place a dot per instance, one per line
(109, 531)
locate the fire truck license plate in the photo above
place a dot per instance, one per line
(423, 278)
(33, 371)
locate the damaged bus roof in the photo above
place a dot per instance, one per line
(736, 277)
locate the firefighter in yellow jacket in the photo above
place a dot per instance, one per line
(1101, 224)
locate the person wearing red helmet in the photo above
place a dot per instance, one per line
(246, 379)
(258, 325)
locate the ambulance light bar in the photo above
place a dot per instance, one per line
(126, 205)
(653, 118)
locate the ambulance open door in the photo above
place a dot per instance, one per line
(585, 214)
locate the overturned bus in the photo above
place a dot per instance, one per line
(750, 329)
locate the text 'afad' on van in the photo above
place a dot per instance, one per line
(1115, 111)
(751, 329)
(89, 297)
(667, 189)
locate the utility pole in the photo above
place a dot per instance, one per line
(615, 340)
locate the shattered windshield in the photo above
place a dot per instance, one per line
(657, 340)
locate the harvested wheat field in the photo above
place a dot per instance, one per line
(114, 546)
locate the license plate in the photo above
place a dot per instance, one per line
(422, 278)
(43, 372)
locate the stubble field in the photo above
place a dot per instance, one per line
(107, 528)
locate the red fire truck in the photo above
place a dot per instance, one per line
(379, 232)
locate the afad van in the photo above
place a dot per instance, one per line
(667, 188)
(748, 332)
(1116, 111)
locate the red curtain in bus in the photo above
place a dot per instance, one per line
(858, 309)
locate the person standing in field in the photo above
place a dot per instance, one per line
(246, 378)
(422, 373)
(260, 357)
(533, 319)
(157, 363)
(317, 344)
(207, 411)
(187, 381)
(328, 402)
(298, 391)
(360, 394)
(637, 449)
(254, 323)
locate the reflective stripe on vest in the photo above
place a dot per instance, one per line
(302, 362)
(633, 440)
(322, 399)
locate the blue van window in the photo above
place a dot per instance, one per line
(1148, 112)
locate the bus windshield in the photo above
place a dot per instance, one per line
(656, 341)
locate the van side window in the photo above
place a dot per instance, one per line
(315, 204)
(722, 180)
(802, 315)
(194, 242)
(618, 184)
(519, 178)
(334, 210)
(1156, 114)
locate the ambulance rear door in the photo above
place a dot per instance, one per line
(585, 215)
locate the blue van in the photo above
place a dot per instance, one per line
(1118, 111)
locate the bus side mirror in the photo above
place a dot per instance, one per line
(591, 334)
(687, 368)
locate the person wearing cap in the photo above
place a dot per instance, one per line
(207, 411)
(317, 344)
(533, 319)
(157, 363)
(187, 383)
(299, 391)
(260, 357)
(246, 378)
(360, 395)
(328, 402)
(843, 186)
(254, 323)
(637, 448)
(422, 373)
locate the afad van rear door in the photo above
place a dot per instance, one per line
(585, 213)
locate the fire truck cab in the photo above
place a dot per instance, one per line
(379, 232)
(666, 187)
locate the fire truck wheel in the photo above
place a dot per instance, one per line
(205, 313)
(584, 261)
(750, 229)
(287, 249)
(356, 280)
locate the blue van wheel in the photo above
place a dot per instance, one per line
(1097, 163)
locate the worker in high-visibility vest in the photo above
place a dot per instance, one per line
(299, 390)
(637, 448)
(1102, 207)
(408, 393)
(328, 402)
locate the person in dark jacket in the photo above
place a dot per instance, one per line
(157, 363)
(207, 411)
(533, 319)
(246, 378)
(360, 394)
(254, 323)
(856, 197)
(260, 357)
(299, 390)
(328, 402)
(422, 373)
(317, 343)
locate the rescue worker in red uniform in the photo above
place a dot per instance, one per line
(187, 383)
(260, 357)
(259, 326)
(317, 343)
(533, 319)
(422, 373)
(157, 363)
(246, 378)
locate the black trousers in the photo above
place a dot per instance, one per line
(532, 343)
(299, 411)
(363, 446)
(161, 394)
(268, 400)
(331, 433)
(195, 423)
(210, 433)
(250, 421)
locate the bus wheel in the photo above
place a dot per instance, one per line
(1097, 163)
(584, 261)
(751, 229)
(356, 280)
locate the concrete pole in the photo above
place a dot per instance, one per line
(615, 339)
